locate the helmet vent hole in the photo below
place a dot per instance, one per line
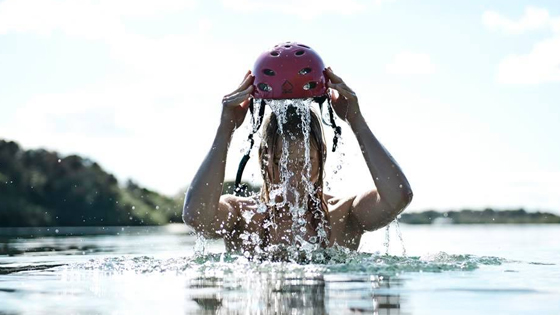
(304, 46)
(264, 87)
(288, 46)
(310, 85)
(275, 54)
(300, 52)
(269, 72)
(305, 71)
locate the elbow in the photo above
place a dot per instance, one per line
(189, 212)
(191, 217)
(189, 220)
(405, 200)
(192, 214)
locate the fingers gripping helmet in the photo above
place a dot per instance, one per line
(289, 70)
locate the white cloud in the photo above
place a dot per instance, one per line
(532, 19)
(542, 63)
(86, 18)
(306, 10)
(408, 63)
(380, 2)
(555, 24)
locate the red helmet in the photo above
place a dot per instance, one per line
(289, 70)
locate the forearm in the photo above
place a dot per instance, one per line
(389, 179)
(203, 196)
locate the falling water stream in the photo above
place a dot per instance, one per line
(295, 191)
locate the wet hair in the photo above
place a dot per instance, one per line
(267, 152)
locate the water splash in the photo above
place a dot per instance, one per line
(296, 174)
(336, 174)
(399, 234)
(235, 284)
(200, 245)
(295, 191)
(334, 260)
(387, 239)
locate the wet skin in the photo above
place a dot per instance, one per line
(217, 216)
(344, 232)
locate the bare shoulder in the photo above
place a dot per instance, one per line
(229, 201)
(342, 227)
(238, 203)
(339, 203)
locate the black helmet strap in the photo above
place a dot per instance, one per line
(337, 130)
(241, 189)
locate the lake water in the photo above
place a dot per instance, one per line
(477, 269)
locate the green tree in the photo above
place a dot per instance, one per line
(42, 188)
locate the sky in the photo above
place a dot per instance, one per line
(464, 95)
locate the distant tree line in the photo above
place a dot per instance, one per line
(42, 188)
(486, 216)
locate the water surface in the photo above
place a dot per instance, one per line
(486, 269)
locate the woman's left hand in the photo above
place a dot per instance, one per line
(345, 104)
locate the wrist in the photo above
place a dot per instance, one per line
(356, 121)
(226, 127)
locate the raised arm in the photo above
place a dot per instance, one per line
(205, 209)
(379, 206)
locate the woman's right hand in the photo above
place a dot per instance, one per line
(236, 103)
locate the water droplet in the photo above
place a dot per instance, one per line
(247, 215)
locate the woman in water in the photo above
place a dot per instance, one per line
(242, 222)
